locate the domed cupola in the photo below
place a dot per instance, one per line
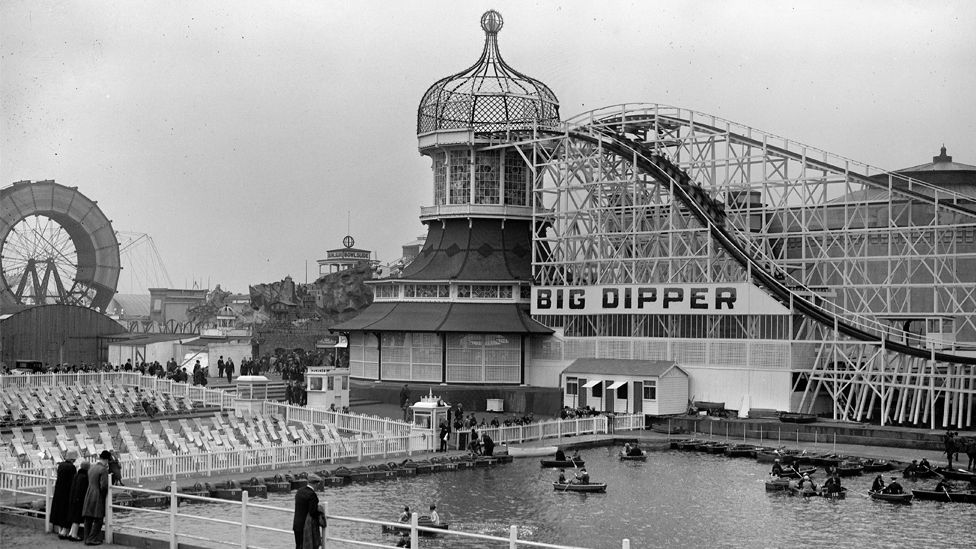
(489, 97)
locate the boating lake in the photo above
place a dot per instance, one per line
(674, 499)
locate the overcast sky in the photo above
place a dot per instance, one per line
(239, 134)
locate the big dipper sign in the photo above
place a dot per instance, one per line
(688, 299)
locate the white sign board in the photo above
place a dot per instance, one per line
(674, 299)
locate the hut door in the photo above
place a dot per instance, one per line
(638, 397)
(581, 392)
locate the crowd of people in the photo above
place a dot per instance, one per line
(579, 412)
(78, 501)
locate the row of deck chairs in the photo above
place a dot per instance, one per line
(20, 406)
(40, 447)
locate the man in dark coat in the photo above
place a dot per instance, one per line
(94, 507)
(79, 487)
(60, 502)
(405, 402)
(306, 504)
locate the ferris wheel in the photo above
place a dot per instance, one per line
(56, 246)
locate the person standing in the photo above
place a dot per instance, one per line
(94, 506)
(306, 505)
(220, 366)
(404, 401)
(61, 501)
(229, 368)
(76, 500)
(434, 517)
(443, 435)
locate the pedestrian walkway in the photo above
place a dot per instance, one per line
(22, 537)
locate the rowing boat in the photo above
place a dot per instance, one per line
(422, 521)
(563, 463)
(946, 496)
(875, 465)
(569, 487)
(777, 485)
(531, 451)
(955, 474)
(892, 498)
(793, 472)
(641, 457)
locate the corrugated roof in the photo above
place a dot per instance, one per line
(621, 367)
(132, 304)
(492, 318)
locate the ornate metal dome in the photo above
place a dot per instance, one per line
(488, 97)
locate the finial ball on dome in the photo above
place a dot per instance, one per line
(492, 22)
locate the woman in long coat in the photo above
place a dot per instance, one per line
(60, 502)
(79, 487)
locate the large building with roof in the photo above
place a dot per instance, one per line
(774, 274)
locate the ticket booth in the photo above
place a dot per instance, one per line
(327, 388)
(429, 412)
(252, 391)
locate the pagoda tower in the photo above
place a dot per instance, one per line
(458, 311)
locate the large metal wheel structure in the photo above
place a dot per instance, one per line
(56, 247)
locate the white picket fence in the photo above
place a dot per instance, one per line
(373, 436)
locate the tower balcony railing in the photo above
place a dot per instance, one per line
(496, 211)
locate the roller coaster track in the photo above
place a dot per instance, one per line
(711, 214)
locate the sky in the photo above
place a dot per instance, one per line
(249, 137)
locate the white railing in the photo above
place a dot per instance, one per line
(555, 429)
(354, 423)
(239, 524)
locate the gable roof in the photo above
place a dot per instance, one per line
(621, 366)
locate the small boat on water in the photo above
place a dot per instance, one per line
(565, 463)
(225, 491)
(255, 488)
(849, 470)
(531, 451)
(636, 457)
(422, 521)
(570, 487)
(949, 496)
(666, 429)
(793, 472)
(277, 484)
(955, 474)
(875, 465)
(905, 498)
(777, 485)
(792, 417)
(741, 450)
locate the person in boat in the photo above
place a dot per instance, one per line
(560, 455)
(911, 471)
(582, 477)
(777, 468)
(943, 486)
(626, 448)
(924, 466)
(635, 451)
(487, 445)
(893, 487)
(562, 477)
(878, 484)
(405, 514)
(807, 485)
(576, 456)
(832, 485)
(434, 517)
